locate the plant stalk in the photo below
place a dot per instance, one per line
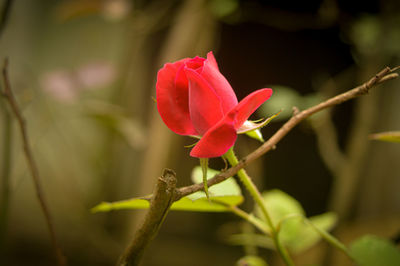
(255, 193)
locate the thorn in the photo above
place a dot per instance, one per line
(295, 110)
(226, 164)
(394, 69)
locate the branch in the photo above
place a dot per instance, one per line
(383, 76)
(5, 14)
(164, 194)
(5, 173)
(8, 94)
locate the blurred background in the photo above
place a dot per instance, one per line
(84, 74)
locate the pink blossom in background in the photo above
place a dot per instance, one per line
(66, 85)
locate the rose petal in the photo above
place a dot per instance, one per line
(195, 63)
(211, 60)
(204, 105)
(172, 99)
(219, 83)
(217, 140)
(249, 104)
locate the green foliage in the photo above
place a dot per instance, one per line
(214, 204)
(251, 261)
(136, 203)
(365, 34)
(223, 8)
(374, 251)
(295, 230)
(222, 197)
(200, 204)
(303, 236)
(393, 136)
(228, 187)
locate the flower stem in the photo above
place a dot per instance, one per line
(329, 238)
(251, 219)
(255, 193)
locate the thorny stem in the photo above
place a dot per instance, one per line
(160, 204)
(255, 193)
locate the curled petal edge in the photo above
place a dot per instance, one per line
(248, 105)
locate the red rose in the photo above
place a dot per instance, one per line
(194, 98)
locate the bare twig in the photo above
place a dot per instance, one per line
(6, 152)
(384, 75)
(159, 207)
(8, 94)
(5, 173)
(5, 14)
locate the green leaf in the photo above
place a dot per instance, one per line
(201, 204)
(371, 250)
(215, 204)
(288, 216)
(135, 203)
(228, 187)
(251, 261)
(301, 236)
(222, 196)
(393, 136)
(280, 205)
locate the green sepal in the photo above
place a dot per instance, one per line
(204, 167)
(252, 128)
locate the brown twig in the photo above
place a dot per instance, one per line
(8, 94)
(384, 75)
(159, 206)
(5, 174)
(5, 14)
